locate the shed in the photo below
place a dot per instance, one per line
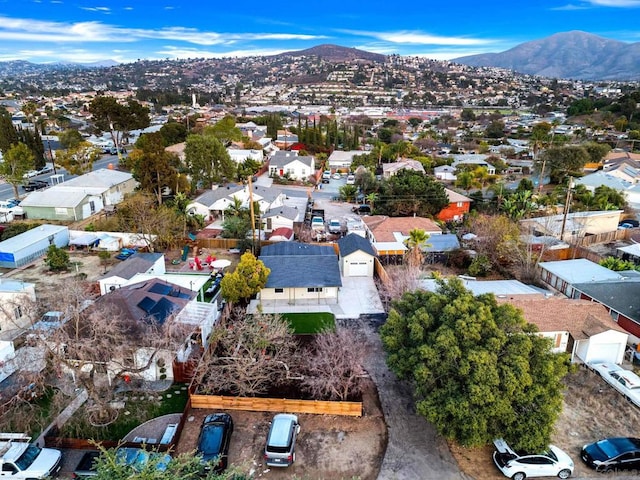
(32, 244)
(356, 256)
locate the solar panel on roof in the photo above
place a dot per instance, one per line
(162, 309)
(160, 288)
(146, 304)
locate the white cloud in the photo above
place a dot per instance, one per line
(616, 3)
(97, 9)
(418, 38)
(175, 52)
(29, 30)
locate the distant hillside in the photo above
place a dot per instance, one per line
(576, 55)
(336, 53)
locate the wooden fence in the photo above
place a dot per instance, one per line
(381, 272)
(353, 409)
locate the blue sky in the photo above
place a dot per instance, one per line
(95, 30)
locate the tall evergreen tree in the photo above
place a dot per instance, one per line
(8, 133)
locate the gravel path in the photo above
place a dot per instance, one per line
(415, 450)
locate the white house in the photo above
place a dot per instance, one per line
(582, 328)
(281, 216)
(213, 203)
(148, 263)
(575, 225)
(340, 161)
(445, 173)
(357, 256)
(240, 155)
(290, 164)
(391, 169)
(16, 307)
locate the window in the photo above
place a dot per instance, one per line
(279, 290)
(314, 289)
(459, 205)
(17, 312)
(92, 206)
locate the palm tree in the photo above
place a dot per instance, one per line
(371, 199)
(416, 242)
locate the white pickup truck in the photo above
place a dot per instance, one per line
(21, 460)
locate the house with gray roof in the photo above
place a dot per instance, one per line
(159, 301)
(621, 297)
(340, 161)
(80, 197)
(279, 217)
(121, 273)
(563, 275)
(290, 164)
(301, 273)
(213, 203)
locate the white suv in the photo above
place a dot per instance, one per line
(518, 466)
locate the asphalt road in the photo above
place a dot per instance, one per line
(6, 189)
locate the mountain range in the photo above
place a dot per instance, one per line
(573, 55)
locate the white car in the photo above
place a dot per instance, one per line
(624, 381)
(518, 466)
(317, 223)
(351, 179)
(31, 174)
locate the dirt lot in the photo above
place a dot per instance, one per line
(328, 447)
(592, 411)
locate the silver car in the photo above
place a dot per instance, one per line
(281, 441)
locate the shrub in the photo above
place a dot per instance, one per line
(57, 259)
(480, 266)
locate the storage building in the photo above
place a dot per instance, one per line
(32, 244)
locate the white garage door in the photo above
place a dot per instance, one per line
(604, 352)
(358, 269)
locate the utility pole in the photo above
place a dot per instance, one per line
(567, 203)
(253, 221)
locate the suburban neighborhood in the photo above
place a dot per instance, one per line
(274, 287)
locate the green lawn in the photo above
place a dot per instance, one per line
(312, 322)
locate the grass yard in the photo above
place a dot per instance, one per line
(138, 408)
(311, 322)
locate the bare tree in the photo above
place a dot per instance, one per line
(334, 367)
(97, 345)
(401, 279)
(248, 355)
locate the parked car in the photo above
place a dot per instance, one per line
(214, 439)
(280, 449)
(335, 226)
(629, 223)
(317, 223)
(518, 466)
(34, 185)
(30, 174)
(624, 381)
(336, 176)
(326, 176)
(137, 458)
(610, 454)
(86, 466)
(48, 168)
(351, 179)
(22, 460)
(363, 209)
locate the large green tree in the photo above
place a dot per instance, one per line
(208, 161)
(8, 133)
(109, 115)
(79, 158)
(18, 159)
(224, 130)
(478, 370)
(154, 167)
(561, 162)
(408, 193)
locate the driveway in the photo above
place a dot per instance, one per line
(414, 449)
